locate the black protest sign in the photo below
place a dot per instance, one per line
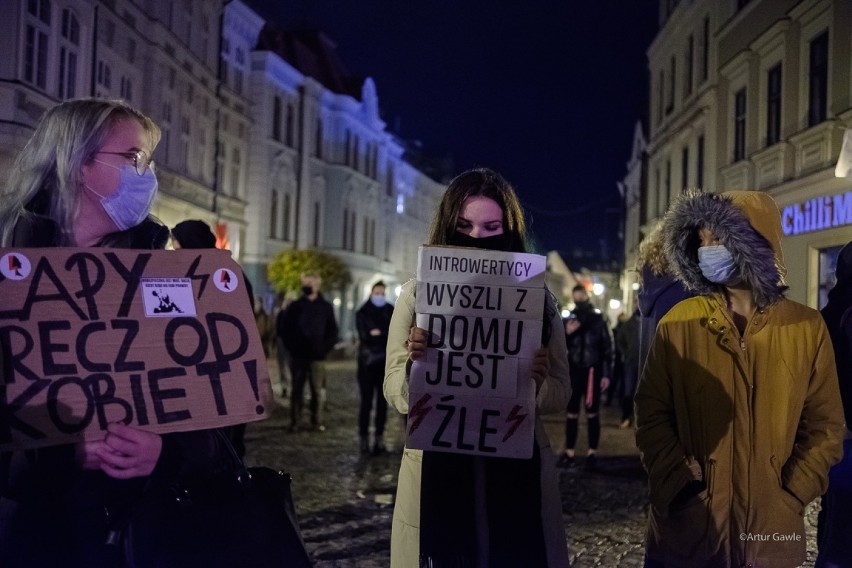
(163, 340)
(473, 392)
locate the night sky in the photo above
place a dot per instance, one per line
(545, 92)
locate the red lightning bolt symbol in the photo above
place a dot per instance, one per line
(515, 417)
(418, 412)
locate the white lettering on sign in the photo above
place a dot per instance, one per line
(817, 214)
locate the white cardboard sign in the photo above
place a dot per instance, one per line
(473, 392)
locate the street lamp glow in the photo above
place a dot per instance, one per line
(635, 286)
(565, 313)
(598, 289)
(397, 291)
(614, 304)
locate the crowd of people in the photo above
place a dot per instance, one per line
(739, 396)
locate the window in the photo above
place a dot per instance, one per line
(661, 89)
(827, 273)
(818, 79)
(35, 51)
(684, 168)
(317, 211)
(389, 184)
(291, 126)
(352, 221)
(668, 196)
(699, 163)
(104, 75)
(739, 124)
(658, 188)
(68, 55)
(670, 100)
(345, 243)
(236, 171)
(773, 105)
(273, 215)
(347, 148)
(276, 118)
(318, 139)
(126, 88)
(238, 81)
(286, 218)
(366, 244)
(690, 54)
(705, 49)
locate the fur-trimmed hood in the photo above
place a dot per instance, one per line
(748, 223)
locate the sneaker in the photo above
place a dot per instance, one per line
(625, 424)
(591, 462)
(565, 461)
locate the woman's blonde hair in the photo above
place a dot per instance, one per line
(45, 178)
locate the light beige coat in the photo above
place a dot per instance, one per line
(552, 397)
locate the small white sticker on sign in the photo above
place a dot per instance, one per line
(15, 266)
(167, 297)
(225, 280)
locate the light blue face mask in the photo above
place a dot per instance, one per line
(378, 300)
(717, 265)
(131, 202)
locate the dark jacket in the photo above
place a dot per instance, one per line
(837, 314)
(371, 348)
(591, 345)
(627, 340)
(308, 328)
(52, 513)
(657, 296)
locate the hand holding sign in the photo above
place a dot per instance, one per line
(416, 343)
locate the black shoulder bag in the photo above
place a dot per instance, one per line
(244, 518)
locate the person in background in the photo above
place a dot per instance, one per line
(627, 341)
(196, 234)
(372, 322)
(461, 510)
(835, 518)
(309, 334)
(86, 179)
(738, 414)
(659, 290)
(590, 355)
(616, 384)
(281, 355)
(265, 326)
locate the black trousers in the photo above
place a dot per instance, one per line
(370, 381)
(303, 372)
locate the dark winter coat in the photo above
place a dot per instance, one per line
(657, 296)
(757, 413)
(627, 340)
(837, 314)
(308, 328)
(591, 344)
(371, 348)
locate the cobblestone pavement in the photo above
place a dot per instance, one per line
(345, 500)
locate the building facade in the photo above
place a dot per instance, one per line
(271, 151)
(756, 94)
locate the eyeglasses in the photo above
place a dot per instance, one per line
(141, 161)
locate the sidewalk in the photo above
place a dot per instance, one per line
(344, 500)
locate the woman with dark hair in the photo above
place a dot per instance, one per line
(460, 510)
(86, 179)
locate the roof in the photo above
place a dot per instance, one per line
(313, 54)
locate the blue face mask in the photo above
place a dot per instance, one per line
(131, 202)
(378, 300)
(717, 265)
